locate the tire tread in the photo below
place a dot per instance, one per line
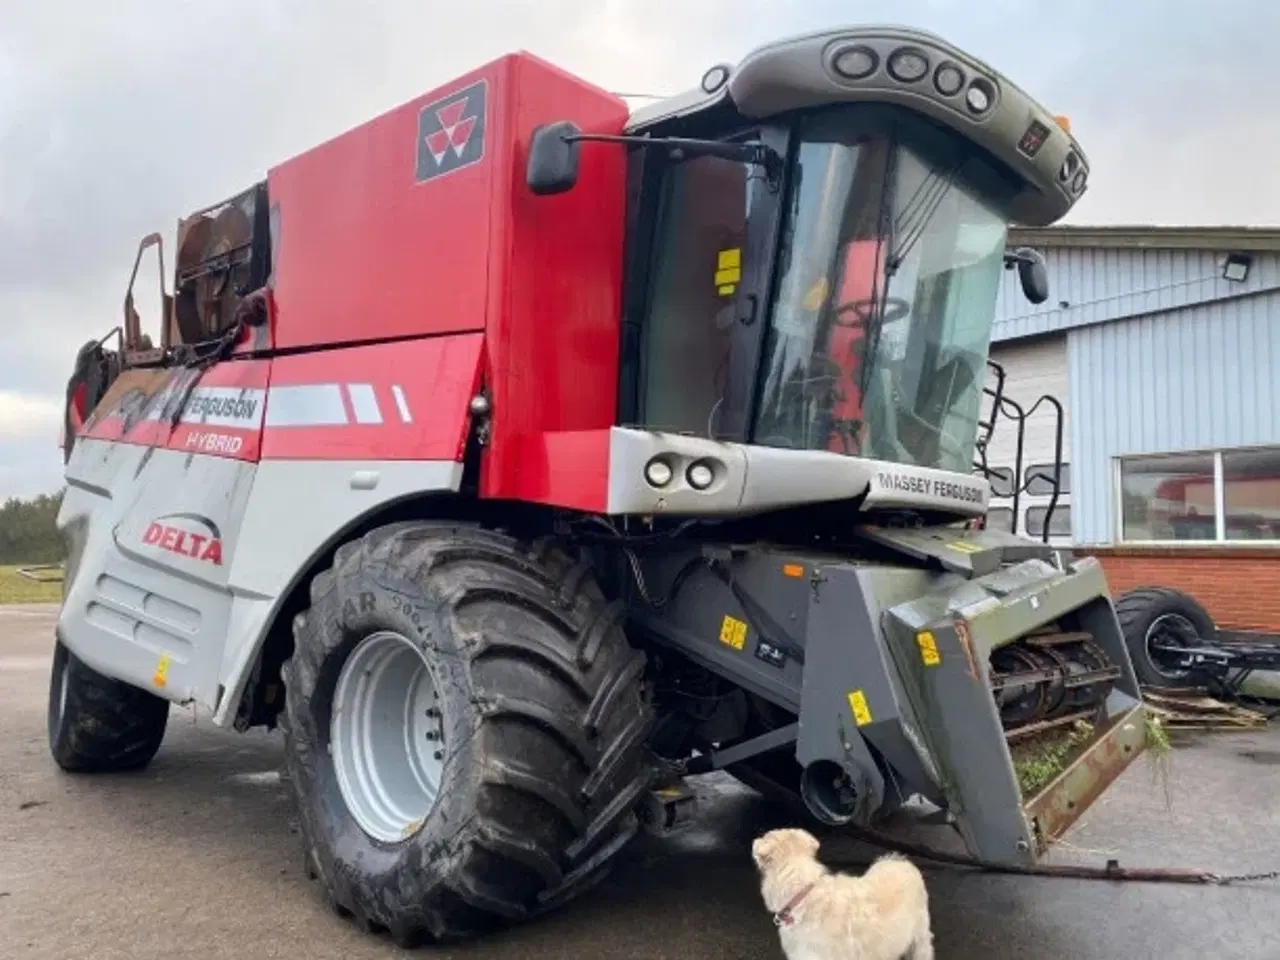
(591, 716)
(107, 725)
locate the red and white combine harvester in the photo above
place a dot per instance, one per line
(520, 456)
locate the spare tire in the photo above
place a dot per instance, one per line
(1150, 613)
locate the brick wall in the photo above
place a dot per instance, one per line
(1239, 586)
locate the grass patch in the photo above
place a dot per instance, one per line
(1037, 760)
(15, 588)
(1159, 751)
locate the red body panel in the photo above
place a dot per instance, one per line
(555, 296)
(389, 401)
(364, 251)
(131, 412)
(408, 253)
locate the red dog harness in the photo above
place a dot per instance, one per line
(783, 917)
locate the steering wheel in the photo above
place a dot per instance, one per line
(895, 308)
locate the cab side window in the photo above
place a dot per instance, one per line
(696, 272)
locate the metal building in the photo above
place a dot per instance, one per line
(1163, 346)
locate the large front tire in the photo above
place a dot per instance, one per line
(538, 715)
(97, 724)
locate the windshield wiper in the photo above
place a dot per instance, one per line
(938, 188)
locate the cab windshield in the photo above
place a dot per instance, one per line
(891, 260)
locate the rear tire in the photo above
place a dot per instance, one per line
(1147, 611)
(541, 717)
(97, 724)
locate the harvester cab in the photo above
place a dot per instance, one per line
(521, 456)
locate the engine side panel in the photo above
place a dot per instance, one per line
(186, 532)
(152, 534)
(178, 563)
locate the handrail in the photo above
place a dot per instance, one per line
(1012, 410)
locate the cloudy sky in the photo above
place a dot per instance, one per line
(116, 118)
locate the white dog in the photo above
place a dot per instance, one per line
(821, 915)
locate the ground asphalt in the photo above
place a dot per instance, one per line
(197, 858)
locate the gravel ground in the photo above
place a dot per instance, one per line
(196, 858)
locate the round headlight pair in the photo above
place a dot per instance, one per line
(658, 472)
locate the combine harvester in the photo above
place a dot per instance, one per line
(520, 457)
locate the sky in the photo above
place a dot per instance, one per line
(116, 119)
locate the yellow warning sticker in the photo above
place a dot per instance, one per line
(964, 546)
(733, 632)
(928, 648)
(161, 676)
(858, 704)
(728, 270)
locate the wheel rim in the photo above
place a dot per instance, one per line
(1175, 630)
(385, 735)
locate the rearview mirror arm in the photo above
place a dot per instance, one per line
(681, 148)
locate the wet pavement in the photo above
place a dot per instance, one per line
(195, 858)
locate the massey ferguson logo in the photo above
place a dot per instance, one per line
(187, 535)
(451, 132)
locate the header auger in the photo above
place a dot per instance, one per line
(520, 456)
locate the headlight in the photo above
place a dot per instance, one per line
(855, 63)
(700, 475)
(980, 96)
(658, 472)
(949, 79)
(908, 65)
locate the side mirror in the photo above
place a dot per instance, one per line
(553, 159)
(1032, 274)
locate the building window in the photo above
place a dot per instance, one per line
(1059, 523)
(1040, 479)
(1215, 496)
(1251, 494)
(1000, 518)
(1001, 479)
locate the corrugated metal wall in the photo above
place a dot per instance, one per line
(1204, 376)
(1099, 285)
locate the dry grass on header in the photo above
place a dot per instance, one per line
(15, 588)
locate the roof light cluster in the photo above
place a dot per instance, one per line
(911, 65)
(899, 67)
(916, 68)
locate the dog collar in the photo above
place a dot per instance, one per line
(783, 917)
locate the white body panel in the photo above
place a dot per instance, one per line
(752, 479)
(179, 561)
